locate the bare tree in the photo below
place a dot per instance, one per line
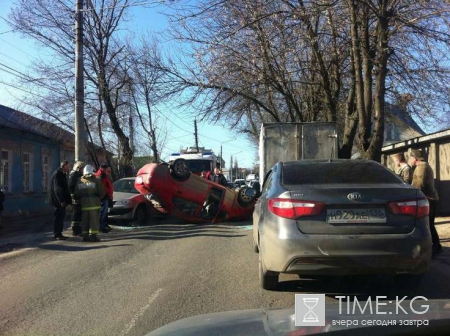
(50, 23)
(148, 90)
(256, 61)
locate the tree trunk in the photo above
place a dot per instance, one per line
(376, 143)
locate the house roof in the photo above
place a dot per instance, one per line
(403, 116)
(21, 121)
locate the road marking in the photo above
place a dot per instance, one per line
(141, 312)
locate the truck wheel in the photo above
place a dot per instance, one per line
(179, 169)
(267, 279)
(243, 199)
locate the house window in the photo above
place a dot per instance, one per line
(27, 172)
(5, 171)
(45, 173)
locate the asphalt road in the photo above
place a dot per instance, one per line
(137, 280)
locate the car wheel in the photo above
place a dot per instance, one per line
(243, 199)
(179, 169)
(140, 215)
(267, 279)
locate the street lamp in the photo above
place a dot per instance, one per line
(221, 157)
(231, 168)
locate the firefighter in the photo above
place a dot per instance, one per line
(74, 177)
(89, 190)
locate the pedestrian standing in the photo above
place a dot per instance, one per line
(2, 199)
(403, 170)
(423, 179)
(104, 174)
(219, 178)
(89, 190)
(59, 197)
(74, 177)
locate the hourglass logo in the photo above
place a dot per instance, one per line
(309, 309)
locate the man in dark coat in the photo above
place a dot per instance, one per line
(423, 179)
(59, 197)
(219, 178)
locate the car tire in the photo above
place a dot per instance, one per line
(243, 199)
(140, 215)
(267, 279)
(179, 169)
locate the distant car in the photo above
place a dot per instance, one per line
(339, 217)
(239, 183)
(129, 204)
(231, 185)
(191, 197)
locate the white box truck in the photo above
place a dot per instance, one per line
(295, 141)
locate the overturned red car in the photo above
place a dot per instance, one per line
(191, 197)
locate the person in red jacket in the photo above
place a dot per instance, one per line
(104, 174)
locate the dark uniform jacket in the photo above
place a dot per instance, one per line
(74, 176)
(58, 191)
(89, 190)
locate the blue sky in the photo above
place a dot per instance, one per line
(17, 53)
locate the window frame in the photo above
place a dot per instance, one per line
(45, 172)
(27, 188)
(8, 188)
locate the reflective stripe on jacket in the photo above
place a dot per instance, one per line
(89, 190)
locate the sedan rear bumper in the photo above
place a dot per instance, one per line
(348, 255)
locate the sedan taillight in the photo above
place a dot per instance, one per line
(287, 208)
(417, 208)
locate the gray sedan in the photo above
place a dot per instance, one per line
(339, 217)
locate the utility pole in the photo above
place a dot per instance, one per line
(196, 135)
(80, 138)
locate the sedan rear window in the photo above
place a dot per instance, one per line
(359, 172)
(125, 185)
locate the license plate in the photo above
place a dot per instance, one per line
(356, 216)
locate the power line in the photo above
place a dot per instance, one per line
(26, 77)
(18, 88)
(12, 59)
(12, 45)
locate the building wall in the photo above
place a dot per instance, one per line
(25, 198)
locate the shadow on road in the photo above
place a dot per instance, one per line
(77, 248)
(433, 285)
(441, 223)
(175, 231)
